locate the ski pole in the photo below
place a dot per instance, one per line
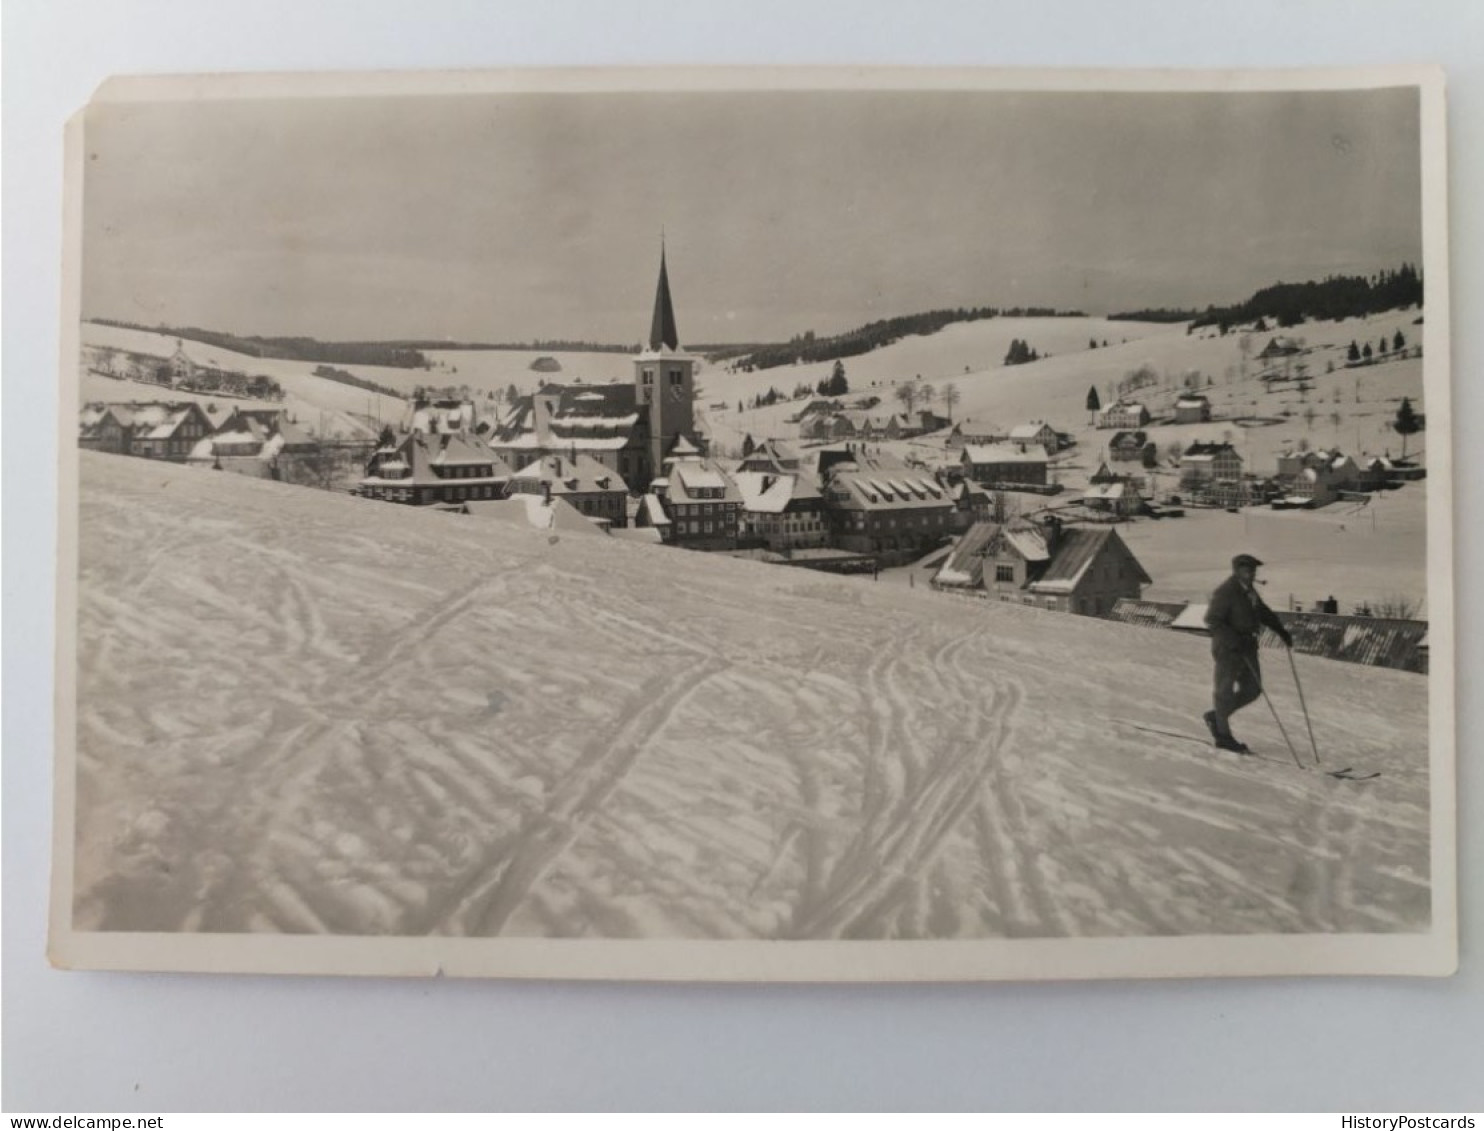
(1258, 676)
(1294, 667)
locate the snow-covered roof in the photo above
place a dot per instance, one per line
(1107, 492)
(765, 492)
(1029, 543)
(653, 511)
(535, 511)
(700, 476)
(1027, 431)
(569, 475)
(1192, 617)
(1002, 453)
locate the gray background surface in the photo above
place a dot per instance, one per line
(96, 1042)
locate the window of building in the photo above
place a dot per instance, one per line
(708, 526)
(1004, 572)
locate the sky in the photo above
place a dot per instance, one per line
(515, 217)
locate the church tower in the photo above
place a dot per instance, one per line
(664, 379)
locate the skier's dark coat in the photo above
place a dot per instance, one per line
(1235, 620)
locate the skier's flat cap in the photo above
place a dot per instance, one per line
(1244, 560)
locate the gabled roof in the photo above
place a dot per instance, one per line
(1137, 439)
(567, 475)
(1029, 431)
(1109, 492)
(965, 563)
(422, 453)
(1076, 549)
(1192, 399)
(535, 511)
(769, 492)
(694, 475)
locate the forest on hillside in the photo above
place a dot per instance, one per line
(392, 354)
(1331, 299)
(806, 347)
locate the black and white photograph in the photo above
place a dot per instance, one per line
(758, 525)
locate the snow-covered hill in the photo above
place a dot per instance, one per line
(302, 712)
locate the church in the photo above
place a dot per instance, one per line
(629, 428)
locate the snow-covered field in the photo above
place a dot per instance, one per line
(303, 712)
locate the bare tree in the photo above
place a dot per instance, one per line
(951, 398)
(906, 392)
(1398, 606)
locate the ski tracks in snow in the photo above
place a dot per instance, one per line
(509, 873)
(918, 783)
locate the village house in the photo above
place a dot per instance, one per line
(1047, 565)
(1382, 472)
(1126, 447)
(105, 428)
(1117, 496)
(535, 511)
(430, 470)
(970, 431)
(154, 430)
(772, 456)
(781, 511)
(1316, 478)
(594, 489)
(1192, 408)
(877, 505)
(1004, 464)
(266, 423)
(703, 504)
(971, 504)
(1036, 432)
(1121, 415)
(929, 421)
(1278, 348)
(1213, 473)
(444, 415)
(241, 451)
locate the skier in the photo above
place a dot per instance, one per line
(1235, 617)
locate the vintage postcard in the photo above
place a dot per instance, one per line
(757, 525)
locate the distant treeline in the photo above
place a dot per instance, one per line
(329, 373)
(807, 348)
(1158, 315)
(1337, 297)
(392, 354)
(555, 345)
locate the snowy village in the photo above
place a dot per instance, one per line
(892, 629)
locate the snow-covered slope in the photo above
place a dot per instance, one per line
(302, 712)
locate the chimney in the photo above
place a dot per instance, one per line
(1053, 532)
(546, 491)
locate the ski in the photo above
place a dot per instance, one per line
(1348, 773)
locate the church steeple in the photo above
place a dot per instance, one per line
(662, 330)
